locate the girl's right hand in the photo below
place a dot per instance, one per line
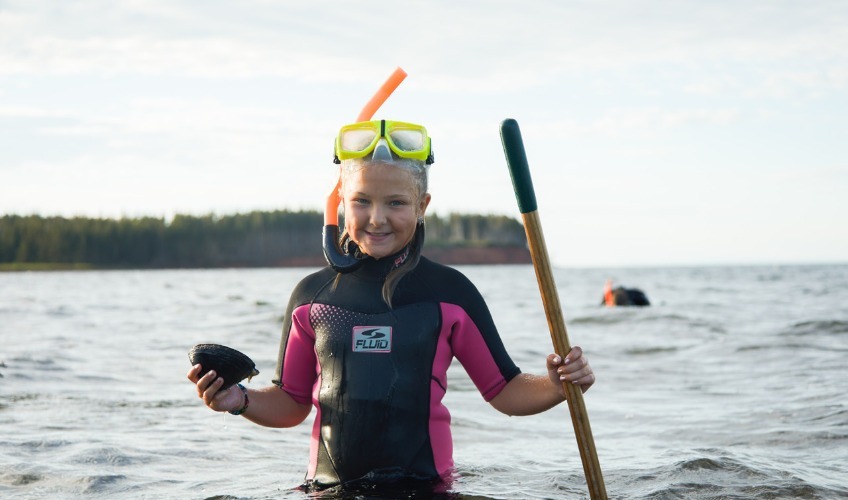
(208, 389)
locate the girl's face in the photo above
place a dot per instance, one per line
(382, 208)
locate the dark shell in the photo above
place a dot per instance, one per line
(228, 363)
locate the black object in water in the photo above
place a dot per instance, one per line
(621, 296)
(230, 364)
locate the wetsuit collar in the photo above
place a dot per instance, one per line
(378, 269)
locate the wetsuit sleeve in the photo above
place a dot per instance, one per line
(472, 334)
(297, 363)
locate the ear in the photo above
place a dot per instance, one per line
(422, 205)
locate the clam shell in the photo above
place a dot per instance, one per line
(230, 364)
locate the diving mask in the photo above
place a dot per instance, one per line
(382, 137)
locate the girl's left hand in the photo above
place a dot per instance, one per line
(573, 369)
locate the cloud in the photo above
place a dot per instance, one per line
(460, 47)
(632, 121)
(18, 111)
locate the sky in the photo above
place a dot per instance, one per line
(657, 132)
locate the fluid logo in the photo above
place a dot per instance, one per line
(372, 339)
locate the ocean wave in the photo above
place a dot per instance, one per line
(722, 477)
(20, 479)
(108, 456)
(642, 351)
(45, 444)
(609, 318)
(154, 404)
(818, 327)
(100, 483)
(527, 481)
(653, 321)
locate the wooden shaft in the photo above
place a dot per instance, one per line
(519, 170)
(559, 336)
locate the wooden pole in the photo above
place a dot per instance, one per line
(522, 183)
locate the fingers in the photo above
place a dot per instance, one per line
(574, 368)
(574, 357)
(553, 361)
(208, 386)
(583, 377)
(586, 382)
(576, 352)
(193, 372)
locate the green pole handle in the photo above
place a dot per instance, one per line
(518, 168)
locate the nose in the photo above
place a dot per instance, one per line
(378, 215)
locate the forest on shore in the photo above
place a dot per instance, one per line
(256, 239)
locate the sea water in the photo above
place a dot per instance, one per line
(732, 384)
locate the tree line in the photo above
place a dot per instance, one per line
(254, 239)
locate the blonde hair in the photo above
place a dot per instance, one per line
(419, 174)
(418, 169)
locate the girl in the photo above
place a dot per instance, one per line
(367, 341)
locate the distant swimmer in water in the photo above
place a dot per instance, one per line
(621, 296)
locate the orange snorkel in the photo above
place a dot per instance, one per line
(340, 261)
(381, 95)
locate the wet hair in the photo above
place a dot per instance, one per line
(418, 172)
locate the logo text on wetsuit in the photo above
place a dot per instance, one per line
(372, 339)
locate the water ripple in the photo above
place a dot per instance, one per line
(818, 327)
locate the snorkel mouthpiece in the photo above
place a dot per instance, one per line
(340, 262)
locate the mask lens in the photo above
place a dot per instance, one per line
(357, 140)
(408, 140)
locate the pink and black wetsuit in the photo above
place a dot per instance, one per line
(377, 375)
